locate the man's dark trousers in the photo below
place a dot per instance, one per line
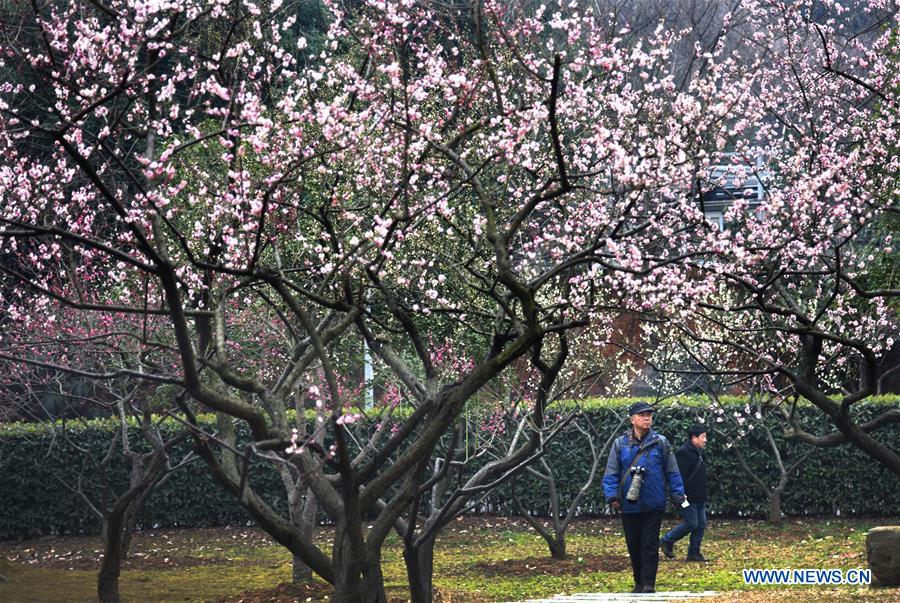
(693, 522)
(642, 538)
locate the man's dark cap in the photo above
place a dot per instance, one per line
(696, 430)
(639, 407)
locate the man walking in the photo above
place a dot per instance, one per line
(641, 458)
(693, 469)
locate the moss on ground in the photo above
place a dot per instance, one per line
(477, 560)
(28, 584)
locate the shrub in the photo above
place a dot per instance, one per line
(38, 466)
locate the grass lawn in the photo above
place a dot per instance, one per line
(477, 560)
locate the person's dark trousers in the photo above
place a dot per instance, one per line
(693, 521)
(642, 538)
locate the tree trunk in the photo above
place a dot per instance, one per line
(127, 536)
(132, 513)
(556, 542)
(108, 576)
(300, 572)
(305, 520)
(775, 515)
(419, 560)
(558, 547)
(119, 523)
(866, 443)
(841, 418)
(359, 584)
(357, 576)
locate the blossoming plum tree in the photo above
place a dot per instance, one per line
(792, 298)
(139, 435)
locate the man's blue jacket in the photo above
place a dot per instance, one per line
(662, 470)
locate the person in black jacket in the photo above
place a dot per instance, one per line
(692, 466)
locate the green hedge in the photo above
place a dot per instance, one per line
(35, 463)
(839, 481)
(39, 468)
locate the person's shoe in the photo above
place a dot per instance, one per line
(648, 588)
(696, 557)
(667, 549)
(637, 588)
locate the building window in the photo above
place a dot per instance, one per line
(716, 218)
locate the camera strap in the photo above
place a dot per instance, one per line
(696, 469)
(634, 461)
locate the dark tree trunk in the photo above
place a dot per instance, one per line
(775, 515)
(357, 583)
(839, 413)
(866, 443)
(357, 575)
(133, 511)
(305, 520)
(558, 547)
(110, 567)
(119, 523)
(419, 560)
(127, 536)
(555, 542)
(300, 572)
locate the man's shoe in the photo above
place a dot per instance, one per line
(648, 588)
(637, 588)
(667, 549)
(696, 557)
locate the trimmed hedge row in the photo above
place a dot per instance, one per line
(839, 481)
(38, 469)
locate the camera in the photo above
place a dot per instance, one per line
(637, 479)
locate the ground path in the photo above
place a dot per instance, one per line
(659, 597)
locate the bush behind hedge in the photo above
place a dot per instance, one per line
(38, 468)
